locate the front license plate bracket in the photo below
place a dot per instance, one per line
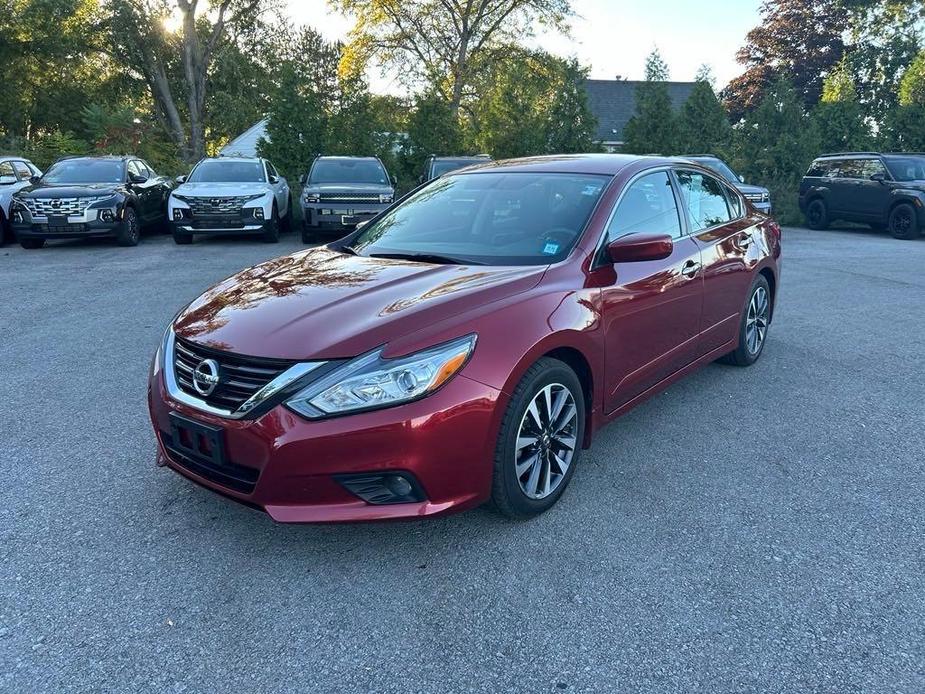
(198, 441)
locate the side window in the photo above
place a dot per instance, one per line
(735, 202)
(271, 170)
(819, 169)
(851, 168)
(873, 167)
(7, 175)
(647, 206)
(147, 169)
(22, 170)
(133, 169)
(704, 200)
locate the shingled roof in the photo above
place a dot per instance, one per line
(613, 103)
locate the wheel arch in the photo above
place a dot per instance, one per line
(578, 362)
(768, 274)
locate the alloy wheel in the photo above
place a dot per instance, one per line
(901, 223)
(546, 441)
(756, 321)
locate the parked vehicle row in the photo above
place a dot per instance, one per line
(115, 197)
(882, 190)
(464, 345)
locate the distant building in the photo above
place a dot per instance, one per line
(613, 103)
(245, 144)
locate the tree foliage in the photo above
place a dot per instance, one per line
(703, 125)
(653, 129)
(441, 43)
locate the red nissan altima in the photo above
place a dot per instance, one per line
(464, 345)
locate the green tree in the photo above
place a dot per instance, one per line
(776, 144)
(432, 129)
(912, 85)
(703, 124)
(839, 118)
(443, 43)
(653, 129)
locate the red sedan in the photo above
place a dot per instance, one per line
(464, 345)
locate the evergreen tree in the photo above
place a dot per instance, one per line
(839, 118)
(776, 144)
(432, 129)
(703, 124)
(653, 129)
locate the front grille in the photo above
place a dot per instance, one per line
(237, 477)
(211, 207)
(348, 197)
(240, 377)
(758, 197)
(42, 207)
(62, 228)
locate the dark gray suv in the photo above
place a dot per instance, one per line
(882, 190)
(341, 192)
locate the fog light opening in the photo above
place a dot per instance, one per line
(383, 488)
(107, 215)
(258, 212)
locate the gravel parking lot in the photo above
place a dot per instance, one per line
(748, 530)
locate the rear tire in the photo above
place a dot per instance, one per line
(817, 214)
(903, 223)
(271, 234)
(6, 232)
(130, 230)
(538, 450)
(753, 326)
(31, 244)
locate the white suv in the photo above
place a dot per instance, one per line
(15, 174)
(236, 195)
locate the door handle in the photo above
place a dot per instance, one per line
(691, 268)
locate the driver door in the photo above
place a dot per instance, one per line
(651, 310)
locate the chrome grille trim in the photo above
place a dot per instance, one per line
(172, 380)
(348, 197)
(70, 207)
(216, 205)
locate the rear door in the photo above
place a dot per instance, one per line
(651, 310)
(873, 197)
(725, 235)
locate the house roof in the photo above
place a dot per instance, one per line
(245, 144)
(613, 103)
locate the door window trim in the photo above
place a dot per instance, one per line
(722, 185)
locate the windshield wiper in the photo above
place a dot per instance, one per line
(426, 258)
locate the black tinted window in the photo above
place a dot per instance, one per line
(348, 171)
(648, 206)
(704, 200)
(86, 171)
(819, 168)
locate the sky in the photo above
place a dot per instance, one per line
(613, 37)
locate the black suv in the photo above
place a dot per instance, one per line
(882, 190)
(437, 166)
(90, 197)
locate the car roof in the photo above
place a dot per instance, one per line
(343, 156)
(248, 159)
(607, 164)
(461, 157)
(12, 157)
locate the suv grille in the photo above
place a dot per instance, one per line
(217, 206)
(42, 207)
(348, 197)
(240, 377)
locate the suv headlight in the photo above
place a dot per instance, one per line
(386, 198)
(313, 197)
(370, 382)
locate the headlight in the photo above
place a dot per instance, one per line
(386, 198)
(371, 382)
(313, 197)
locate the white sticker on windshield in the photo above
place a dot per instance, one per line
(551, 249)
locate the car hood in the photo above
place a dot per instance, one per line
(221, 189)
(322, 304)
(379, 188)
(53, 190)
(747, 189)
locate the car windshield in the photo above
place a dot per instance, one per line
(227, 172)
(907, 168)
(85, 171)
(720, 167)
(348, 171)
(444, 166)
(488, 218)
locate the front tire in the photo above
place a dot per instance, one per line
(31, 244)
(130, 230)
(903, 223)
(540, 440)
(271, 235)
(753, 328)
(182, 239)
(817, 215)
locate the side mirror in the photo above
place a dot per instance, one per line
(394, 179)
(303, 179)
(274, 180)
(181, 179)
(635, 248)
(137, 178)
(741, 178)
(878, 177)
(7, 180)
(35, 179)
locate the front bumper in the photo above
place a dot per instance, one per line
(445, 441)
(340, 214)
(71, 230)
(188, 226)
